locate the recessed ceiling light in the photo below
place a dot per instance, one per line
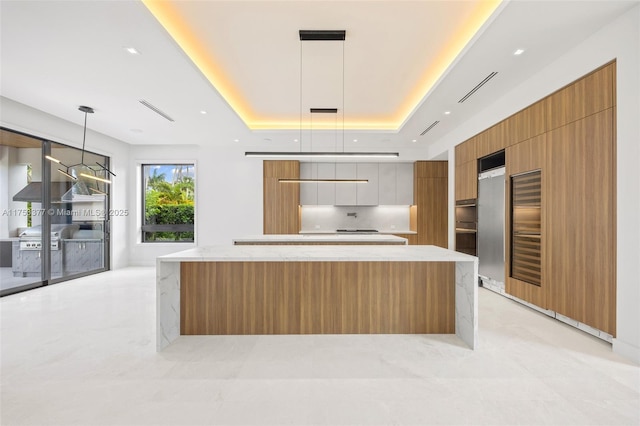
(414, 141)
(132, 50)
(295, 140)
(518, 52)
(447, 112)
(236, 140)
(355, 140)
(203, 112)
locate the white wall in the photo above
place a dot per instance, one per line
(17, 116)
(619, 40)
(228, 200)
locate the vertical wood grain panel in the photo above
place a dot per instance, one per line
(580, 241)
(317, 297)
(430, 169)
(430, 197)
(280, 201)
(466, 183)
(432, 211)
(584, 97)
(442, 318)
(466, 151)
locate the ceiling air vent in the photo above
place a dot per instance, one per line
(475, 89)
(431, 126)
(156, 110)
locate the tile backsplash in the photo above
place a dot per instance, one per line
(330, 218)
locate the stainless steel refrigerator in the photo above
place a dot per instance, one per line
(491, 199)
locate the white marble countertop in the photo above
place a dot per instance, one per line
(328, 232)
(322, 238)
(314, 253)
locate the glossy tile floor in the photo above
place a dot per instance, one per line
(83, 352)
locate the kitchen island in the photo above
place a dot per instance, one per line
(316, 289)
(321, 239)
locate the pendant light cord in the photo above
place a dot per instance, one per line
(84, 136)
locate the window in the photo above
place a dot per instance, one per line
(168, 202)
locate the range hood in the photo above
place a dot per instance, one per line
(33, 192)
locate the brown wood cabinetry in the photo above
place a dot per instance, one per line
(570, 137)
(317, 297)
(466, 151)
(466, 184)
(492, 140)
(580, 253)
(587, 96)
(430, 197)
(431, 169)
(281, 200)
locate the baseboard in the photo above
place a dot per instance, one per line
(497, 288)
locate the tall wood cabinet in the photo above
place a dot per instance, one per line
(580, 239)
(281, 200)
(430, 197)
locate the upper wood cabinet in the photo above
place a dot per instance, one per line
(526, 124)
(280, 200)
(587, 96)
(430, 169)
(466, 184)
(467, 151)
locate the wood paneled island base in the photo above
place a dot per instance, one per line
(317, 289)
(317, 297)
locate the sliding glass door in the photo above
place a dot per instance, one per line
(21, 193)
(54, 212)
(79, 212)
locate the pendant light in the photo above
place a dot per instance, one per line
(321, 35)
(90, 172)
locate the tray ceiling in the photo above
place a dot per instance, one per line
(393, 54)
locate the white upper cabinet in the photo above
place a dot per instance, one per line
(367, 193)
(389, 184)
(317, 193)
(395, 184)
(308, 191)
(404, 184)
(326, 191)
(346, 194)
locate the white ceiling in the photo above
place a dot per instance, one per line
(57, 55)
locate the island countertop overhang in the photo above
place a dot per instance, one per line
(312, 253)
